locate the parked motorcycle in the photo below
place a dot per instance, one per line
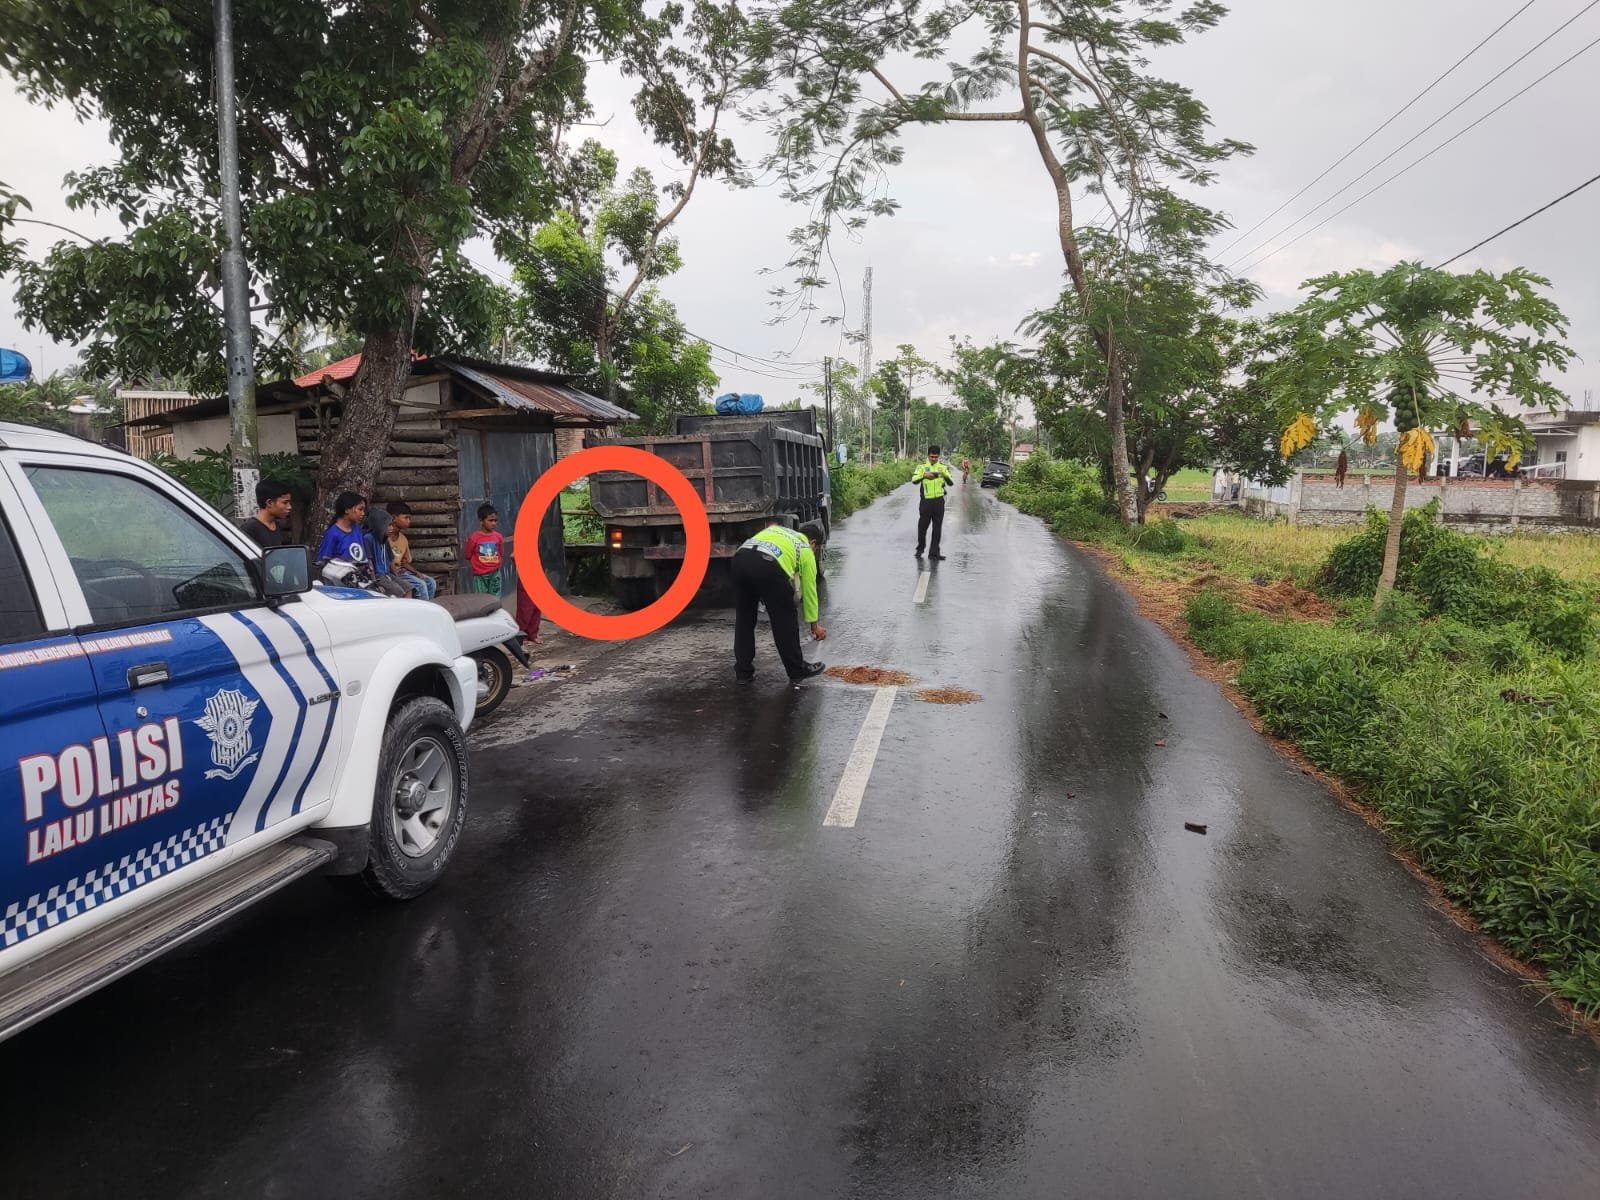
(487, 632)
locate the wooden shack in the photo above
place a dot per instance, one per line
(468, 432)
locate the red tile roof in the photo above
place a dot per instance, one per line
(339, 371)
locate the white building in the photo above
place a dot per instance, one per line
(1568, 444)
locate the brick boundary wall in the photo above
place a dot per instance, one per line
(1481, 505)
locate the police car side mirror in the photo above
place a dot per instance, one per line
(285, 571)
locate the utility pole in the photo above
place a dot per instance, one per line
(866, 355)
(235, 278)
(827, 397)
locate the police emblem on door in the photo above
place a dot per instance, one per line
(227, 724)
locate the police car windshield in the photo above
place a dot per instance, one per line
(137, 553)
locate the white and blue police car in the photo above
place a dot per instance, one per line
(187, 725)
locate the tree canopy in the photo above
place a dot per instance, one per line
(571, 312)
(1075, 74)
(983, 381)
(375, 139)
(1182, 351)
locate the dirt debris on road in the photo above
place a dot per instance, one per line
(879, 676)
(948, 695)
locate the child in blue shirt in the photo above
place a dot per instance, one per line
(345, 538)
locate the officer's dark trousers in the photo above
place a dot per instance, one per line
(931, 513)
(759, 580)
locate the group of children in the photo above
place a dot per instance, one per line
(376, 540)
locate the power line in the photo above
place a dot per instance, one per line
(1392, 119)
(1543, 208)
(1425, 129)
(605, 294)
(795, 378)
(1416, 162)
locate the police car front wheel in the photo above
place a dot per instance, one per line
(421, 799)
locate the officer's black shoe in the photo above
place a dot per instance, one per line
(744, 676)
(812, 669)
(919, 551)
(937, 557)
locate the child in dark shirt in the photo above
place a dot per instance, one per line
(274, 505)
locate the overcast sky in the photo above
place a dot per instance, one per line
(973, 249)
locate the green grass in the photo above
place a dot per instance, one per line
(1574, 556)
(1242, 546)
(578, 519)
(1189, 486)
(855, 486)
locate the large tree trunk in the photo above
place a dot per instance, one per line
(1117, 427)
(603, 349)
(1391, 545)
(354, 454)
(1105, 339)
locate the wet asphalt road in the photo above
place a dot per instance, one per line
(653, 971)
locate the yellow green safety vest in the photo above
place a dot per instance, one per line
(792, 552)
(933, 477)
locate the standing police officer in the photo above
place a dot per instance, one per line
(764, 571)
(932, 477)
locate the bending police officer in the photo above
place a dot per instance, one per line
(764, 570)
(931, 478)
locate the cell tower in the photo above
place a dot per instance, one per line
(866, 355)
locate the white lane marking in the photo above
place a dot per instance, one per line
(853, 784)
(922, 588)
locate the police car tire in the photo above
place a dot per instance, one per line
(391, 873)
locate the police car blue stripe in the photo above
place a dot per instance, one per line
(303, 753)
(301, 709)
(333, 708)
(311, 651)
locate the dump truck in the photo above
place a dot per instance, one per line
(745, 468)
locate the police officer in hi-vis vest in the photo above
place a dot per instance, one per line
(932, 477)
(764, 570)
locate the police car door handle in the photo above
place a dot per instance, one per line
(148, 675)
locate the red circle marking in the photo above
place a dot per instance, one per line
(696, 550)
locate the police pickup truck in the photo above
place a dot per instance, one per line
(187, 725)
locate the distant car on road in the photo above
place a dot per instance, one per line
(1474, 467)
(995, 473)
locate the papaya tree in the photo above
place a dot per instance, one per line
(1427, 350)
